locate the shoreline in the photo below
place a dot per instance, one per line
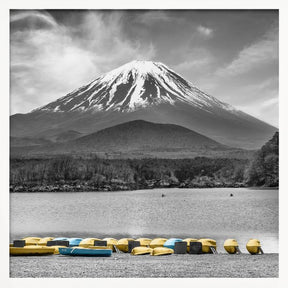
(145, 266)
(114, 188)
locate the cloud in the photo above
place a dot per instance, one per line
(152, 17)
(258, 53)
(49, 61)
(32, 19)
(205, 31)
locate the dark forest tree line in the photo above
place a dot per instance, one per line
(67, 173)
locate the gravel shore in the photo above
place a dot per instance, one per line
(128, 266)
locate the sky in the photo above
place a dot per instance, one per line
(231, 55)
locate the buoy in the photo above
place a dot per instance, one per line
(163, 195)
(231, 195)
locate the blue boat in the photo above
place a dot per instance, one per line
(60, 239)
(170, 243)
(74, 241)
(80, 251)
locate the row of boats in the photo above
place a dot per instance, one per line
(141, 246)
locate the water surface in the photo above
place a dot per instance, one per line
(195, 213)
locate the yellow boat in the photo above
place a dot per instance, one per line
(162, 251)
(141, 250)
(122, 244)
(188, 240)
(31, 250)
(56, 248)
(87, 242)
(111, 243)
(43, 241)
(31, 240)
(208, 245)
(157, 242)
(253, 246)
(231, 246)
(144, 242)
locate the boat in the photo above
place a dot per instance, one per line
(61, 239)
(56, 248)
(162, 251)
(111, 243)
(87, 242)
(254, 247)
(31, 250)
(170, 243)
(81, 251)
(144, 242)
(141, 250)
(31, 240)
(157, 242)
(188, 240)
(208, 245)
(122, 244)
(43, 241)
(231, 246)
(74, 241)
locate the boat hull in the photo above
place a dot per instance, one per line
(206, 244)
(188, 240)
(141, 251)
(87, 242)
(31, 251)
(231, 245)
(111, 243)
(170, 243)
(144, 242)
(122, 244)
(31, 240)
(158, 251)
(79, 251)
(157, 242)
(253, 246)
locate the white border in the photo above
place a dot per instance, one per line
(129, 4)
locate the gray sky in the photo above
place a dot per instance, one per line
(232, 55)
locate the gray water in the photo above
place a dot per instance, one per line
(181, 213)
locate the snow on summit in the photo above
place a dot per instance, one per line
(135, 85)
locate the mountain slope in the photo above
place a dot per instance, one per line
(135, 138)
(135, 85)
(143, 90)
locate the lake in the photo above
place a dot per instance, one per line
(194, 213)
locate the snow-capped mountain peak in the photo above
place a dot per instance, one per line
(135, 85)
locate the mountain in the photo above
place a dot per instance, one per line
(148, 91)
(132, 138)
(25, 141)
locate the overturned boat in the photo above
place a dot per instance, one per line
(188, 240)
(157, 242)
(208, 245)
(144, 242)
(231, 246)
(111, 243)
(170, 243)
(31, 240)
(43, 241)
(122, 244)
(254, 247)
(81, 251)
(158, 251)
(74, 241)
(141, 250)
(87, 242)
(31, 250)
